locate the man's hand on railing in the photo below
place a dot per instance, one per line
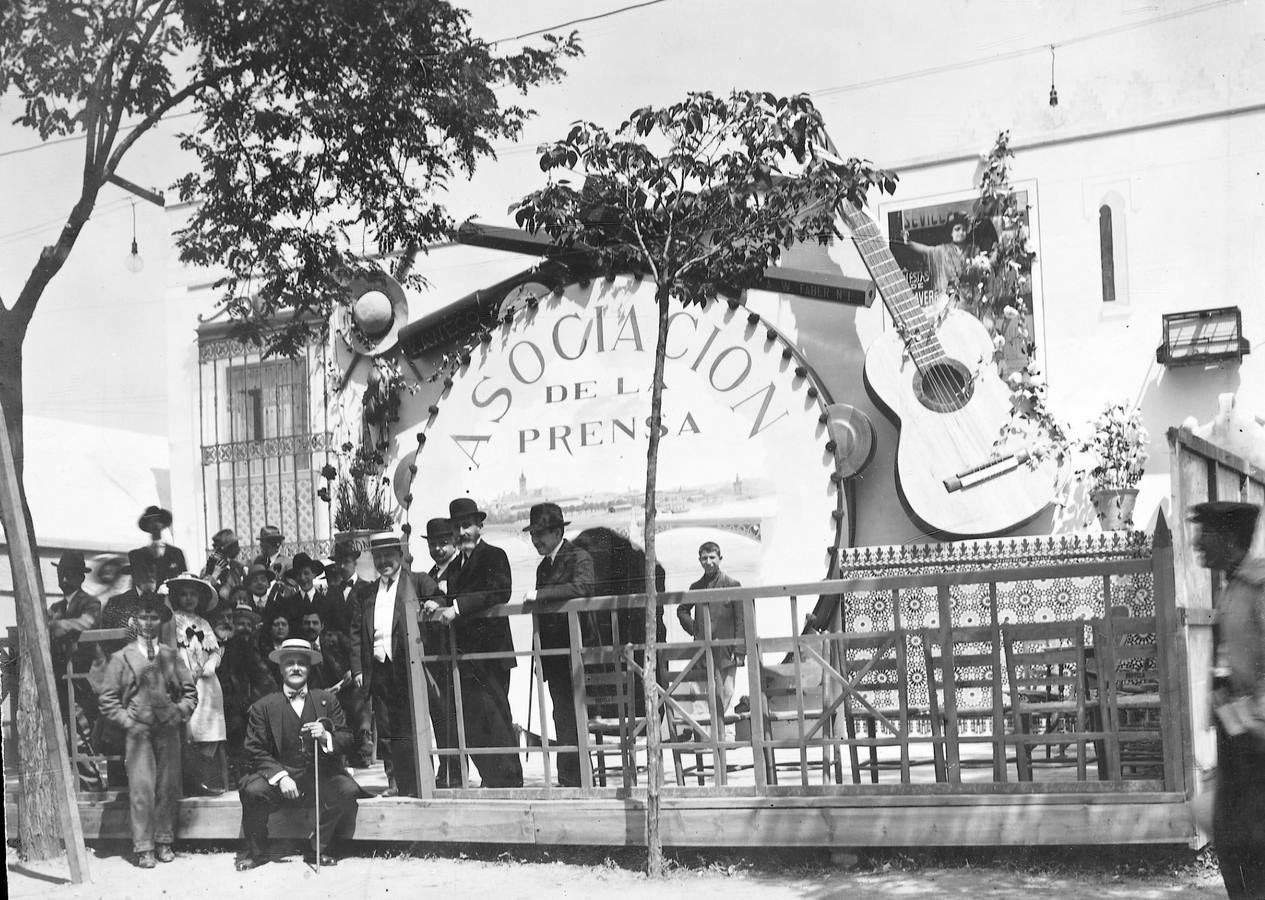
(529, 596)
(443, 615)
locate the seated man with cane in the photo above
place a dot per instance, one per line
(295, 739)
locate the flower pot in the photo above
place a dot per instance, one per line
(1114, 507)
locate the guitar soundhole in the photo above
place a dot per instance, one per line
(944, 386)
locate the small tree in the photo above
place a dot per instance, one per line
(327, 131)
(702, 196)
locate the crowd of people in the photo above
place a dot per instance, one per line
(194, 695)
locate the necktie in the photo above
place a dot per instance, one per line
(149, 648)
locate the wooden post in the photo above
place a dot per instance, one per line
(34, 641)
(419, 696)
(760, 758)
(1172, 707)
(580, 698)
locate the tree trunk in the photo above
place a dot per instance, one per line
(39, 831)
(654, 758)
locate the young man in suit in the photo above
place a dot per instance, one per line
(565, 573)
(304, 595)
(379, 656)
(148, 693)
(341, 579)
(270, 555)
(727, 623)
(284, 732)
(77, 612)
(482, 582)
(157, 559)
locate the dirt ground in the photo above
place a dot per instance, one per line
(502, 873)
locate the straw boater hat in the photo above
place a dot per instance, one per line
(154, 515)
(544, 516)
(385, 540)
(206, 592)
(292, 646)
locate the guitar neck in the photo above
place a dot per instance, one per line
(911, 320)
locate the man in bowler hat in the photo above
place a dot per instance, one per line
(1224, 542)
(284, 732)
(565, 573)
(77, 612)
(441, 541)
(482, 582)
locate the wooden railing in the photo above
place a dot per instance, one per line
(937, 682)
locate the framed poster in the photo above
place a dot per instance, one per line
(956, 255)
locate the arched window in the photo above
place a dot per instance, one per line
(1107, 255)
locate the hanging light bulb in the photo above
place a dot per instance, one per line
(134, 263)
(1054, 95)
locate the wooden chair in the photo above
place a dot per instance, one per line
(1046, 669)
(791, 698)
(611, 696)
(963, 666)
(694, 722)
(1124, 671)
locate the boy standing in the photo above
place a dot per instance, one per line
(727, 623)
(150, 694)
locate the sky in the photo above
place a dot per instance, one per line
(896, 81)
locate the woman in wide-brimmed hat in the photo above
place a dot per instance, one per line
(191, 597)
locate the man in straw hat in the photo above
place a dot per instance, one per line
(156, 561)
(295, 739)
(379, 655)
(1238, 697)
(565, 573)
(481, 582)
(149, 694)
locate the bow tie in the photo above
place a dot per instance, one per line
(191, 632)
(296, 695)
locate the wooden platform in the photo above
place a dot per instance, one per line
(838, 818)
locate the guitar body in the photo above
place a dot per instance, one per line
(941, 441)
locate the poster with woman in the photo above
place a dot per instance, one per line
(959, 253)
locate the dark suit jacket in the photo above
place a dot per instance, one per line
(569, 576)
(434, 635)
(290, 604)
(364, 601)
(169, 565)
(68, 618)
(482, 582)
(335, 660)
(274, 739)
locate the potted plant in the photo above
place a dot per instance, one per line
(361, 499)
(1116, 451)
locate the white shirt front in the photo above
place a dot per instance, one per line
(384, 618)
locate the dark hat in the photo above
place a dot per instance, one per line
(301, 561)
(207, 597)
(437, 529)
(150, 601)
(385, 540)
(154, 515)
(223, 539)
(544, 516)
(290, 646)
(259, 569)
(346, 550)
(71, 561)
(270, 532)
(464, 506)
(1238, 519)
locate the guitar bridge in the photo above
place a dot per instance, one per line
(993, 468)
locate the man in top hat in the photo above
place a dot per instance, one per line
(482, 581)
(270, 555)
(295, 739)
(156, 561)
(77, 612)
(1224, 542)
(565, 573)
(223, 569)
(149, 694)
(441, 541)
(379, 655)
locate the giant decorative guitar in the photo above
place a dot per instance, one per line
(939, 383)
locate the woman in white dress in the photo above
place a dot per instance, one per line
(205, 763)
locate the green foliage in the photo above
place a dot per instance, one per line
(362, 495)
(327, 131)
(702, 195)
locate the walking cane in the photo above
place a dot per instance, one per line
(316, 780)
